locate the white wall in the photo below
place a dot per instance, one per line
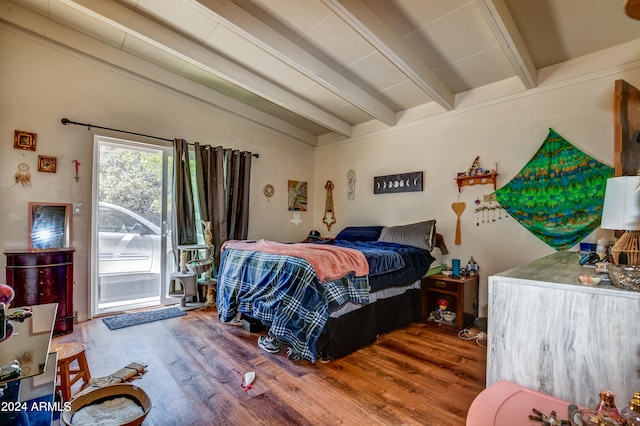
(507, 132)
(40, 85)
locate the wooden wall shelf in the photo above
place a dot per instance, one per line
(477, 180)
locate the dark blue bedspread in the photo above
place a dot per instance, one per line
(416, 262)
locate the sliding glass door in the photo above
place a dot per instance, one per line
(131, 251)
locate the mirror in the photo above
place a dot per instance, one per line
(49, 225)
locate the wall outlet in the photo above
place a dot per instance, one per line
(77, 208)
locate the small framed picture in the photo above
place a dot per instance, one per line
(46, 164)
(24, 140)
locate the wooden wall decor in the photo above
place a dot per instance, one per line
(626, 127)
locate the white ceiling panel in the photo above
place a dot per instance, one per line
(320, 66)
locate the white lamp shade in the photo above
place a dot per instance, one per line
(621, 209)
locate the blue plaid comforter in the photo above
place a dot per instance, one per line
(284, 293)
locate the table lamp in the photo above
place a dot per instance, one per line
(621, 211)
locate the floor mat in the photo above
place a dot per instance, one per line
(127, 320)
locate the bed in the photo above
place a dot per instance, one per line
(327, 299)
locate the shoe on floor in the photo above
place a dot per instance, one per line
(269, 344)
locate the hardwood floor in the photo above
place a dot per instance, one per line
(417, 375)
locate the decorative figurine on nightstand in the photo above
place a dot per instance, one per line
(472, 268)
(442, 307)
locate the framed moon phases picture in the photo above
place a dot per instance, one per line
(402, 182)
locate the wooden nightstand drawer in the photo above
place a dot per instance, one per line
(437, 284)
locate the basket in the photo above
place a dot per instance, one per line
(100, 395)
(199, 266)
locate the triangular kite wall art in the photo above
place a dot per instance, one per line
(558, 194)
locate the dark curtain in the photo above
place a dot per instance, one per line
(183, 220)
(238, 177)
(222, 177)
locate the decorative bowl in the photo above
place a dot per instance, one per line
(625, 276)
(448, 316)
(107, 393)
(590, 279)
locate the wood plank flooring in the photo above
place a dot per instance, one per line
(419, 375)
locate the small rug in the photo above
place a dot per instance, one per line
(127, 320)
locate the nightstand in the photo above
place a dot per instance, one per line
(461, 293)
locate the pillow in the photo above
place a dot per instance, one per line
(415, 234)
(360, 233)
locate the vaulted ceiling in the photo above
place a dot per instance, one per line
(309, 68)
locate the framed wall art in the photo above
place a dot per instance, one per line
(24, 140)
(46, 164)
(297, 196)
(402, 182)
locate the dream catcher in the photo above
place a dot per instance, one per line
(23, 176)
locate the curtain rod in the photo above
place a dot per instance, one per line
(66, 122)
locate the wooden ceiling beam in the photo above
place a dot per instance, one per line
(149, 31)
(42, 29)
(260, 34)
(501, 22)
(359, 17)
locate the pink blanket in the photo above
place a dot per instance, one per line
(329, 262)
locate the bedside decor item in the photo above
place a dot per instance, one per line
(621, 211)
(329, 217)
(24, 140)
(23, 176)
(46, 164)
(558, 194)
(402, 182)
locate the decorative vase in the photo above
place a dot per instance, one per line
(6, 294)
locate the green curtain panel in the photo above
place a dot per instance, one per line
(558, 194)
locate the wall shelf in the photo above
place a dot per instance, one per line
(489, 178)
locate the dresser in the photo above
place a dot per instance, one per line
(40, 276)
(549, 333)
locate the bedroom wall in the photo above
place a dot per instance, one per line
(507, 132)
(41, 84)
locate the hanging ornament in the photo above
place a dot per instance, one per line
(329, 217)
(351, 185)
(76, 177)
(23, 176)
(268, 191)
(458, 208)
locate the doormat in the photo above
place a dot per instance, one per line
(127, 320)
